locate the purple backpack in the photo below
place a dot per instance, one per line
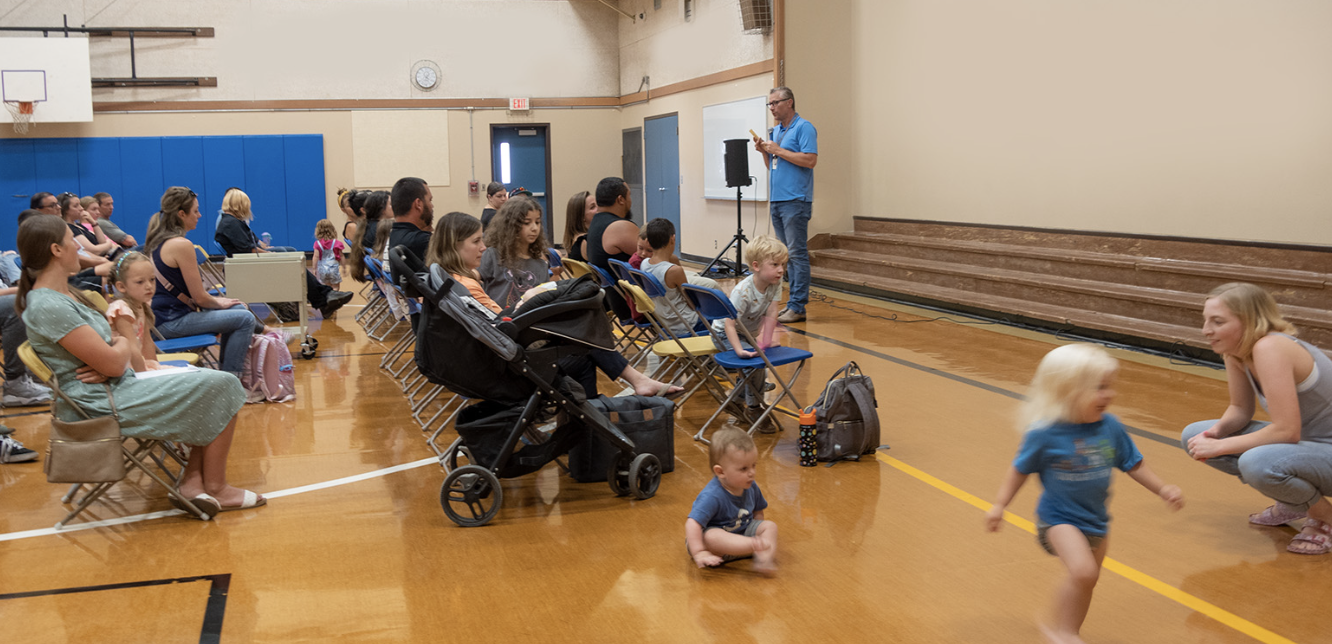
(268, 375)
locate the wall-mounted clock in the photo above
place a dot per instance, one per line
(425, 75)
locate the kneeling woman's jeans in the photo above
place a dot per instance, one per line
(1296, 474)
(236, 325)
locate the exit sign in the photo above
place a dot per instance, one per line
(519, 104)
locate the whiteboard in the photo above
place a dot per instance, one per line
(734, 120)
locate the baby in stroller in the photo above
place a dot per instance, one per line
(510, 365)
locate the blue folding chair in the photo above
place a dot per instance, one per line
(630, 331)
(715, 305)
(198, 344)
(556, 261)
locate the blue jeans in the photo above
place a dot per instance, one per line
(236, 325)
(790, 222)
(12, 334)
(1296, 474)
(9, 271)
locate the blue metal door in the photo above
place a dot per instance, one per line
(661, 153)
(520, 159)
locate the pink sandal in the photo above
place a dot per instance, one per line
(1318, 543)
(1276, 514)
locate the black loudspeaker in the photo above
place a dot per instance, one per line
(737, 162)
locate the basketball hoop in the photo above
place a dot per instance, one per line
(21, 112)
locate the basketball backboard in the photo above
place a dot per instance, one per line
(52, 73)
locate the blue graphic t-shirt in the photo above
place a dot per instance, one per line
(717, 508)
(1076, 463)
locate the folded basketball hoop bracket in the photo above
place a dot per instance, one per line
(133, 80)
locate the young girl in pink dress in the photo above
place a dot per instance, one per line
(131, 313)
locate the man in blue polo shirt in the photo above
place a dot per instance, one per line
(790, 154)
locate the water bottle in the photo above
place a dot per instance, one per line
(268, 239)
(809, 449)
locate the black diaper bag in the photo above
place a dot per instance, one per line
(847, 416)
(647, 421)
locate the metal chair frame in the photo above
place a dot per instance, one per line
(137, 455)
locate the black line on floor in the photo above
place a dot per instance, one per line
(216, 609)
(961, 379)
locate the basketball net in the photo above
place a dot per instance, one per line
(21, 112)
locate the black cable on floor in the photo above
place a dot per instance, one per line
(1177, 355)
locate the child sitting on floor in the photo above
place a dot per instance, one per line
(726, 522)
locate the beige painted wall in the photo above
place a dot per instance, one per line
(351, 49)
(669, 49)
(706, 224)
(1159, 117)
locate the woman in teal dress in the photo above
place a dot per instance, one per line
(74, 339)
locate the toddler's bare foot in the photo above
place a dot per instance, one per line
(765, 566)
(1054, 637)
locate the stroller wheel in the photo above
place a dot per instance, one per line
(618, 476)
(644, 476)
(471, 496)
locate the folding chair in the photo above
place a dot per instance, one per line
(214, 279)
(714, 305)
(556, 260)
(396, 306)
(196, 344)
(631, 332)
(574, 268)
(138, 452)
(689, 355)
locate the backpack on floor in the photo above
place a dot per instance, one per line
(268, 375)
(847, 416)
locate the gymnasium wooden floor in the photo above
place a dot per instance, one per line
(353, 545)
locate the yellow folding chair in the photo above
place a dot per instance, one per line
(138, 452)
(574, 268)
(687, 355)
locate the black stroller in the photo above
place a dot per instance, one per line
(510, 366)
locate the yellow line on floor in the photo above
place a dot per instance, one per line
(1147, 581)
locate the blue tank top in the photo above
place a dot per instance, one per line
(166, 306)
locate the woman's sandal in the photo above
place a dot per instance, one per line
(1318, 543)
(251, 500)
(206, 504)
(1276, 514)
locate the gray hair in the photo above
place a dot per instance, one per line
(785, 92)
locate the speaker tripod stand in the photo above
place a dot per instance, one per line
(724, 268)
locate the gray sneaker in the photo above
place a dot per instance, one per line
(12, 451)
(22, 392)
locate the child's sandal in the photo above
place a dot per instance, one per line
(1318, 543)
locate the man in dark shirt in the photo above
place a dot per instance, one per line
(413, 216)
(612, 235)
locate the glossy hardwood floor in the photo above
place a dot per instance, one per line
(885, 550)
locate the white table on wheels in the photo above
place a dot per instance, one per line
(271, 277)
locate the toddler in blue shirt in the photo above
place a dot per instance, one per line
(726, 522)
(1074, 446)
